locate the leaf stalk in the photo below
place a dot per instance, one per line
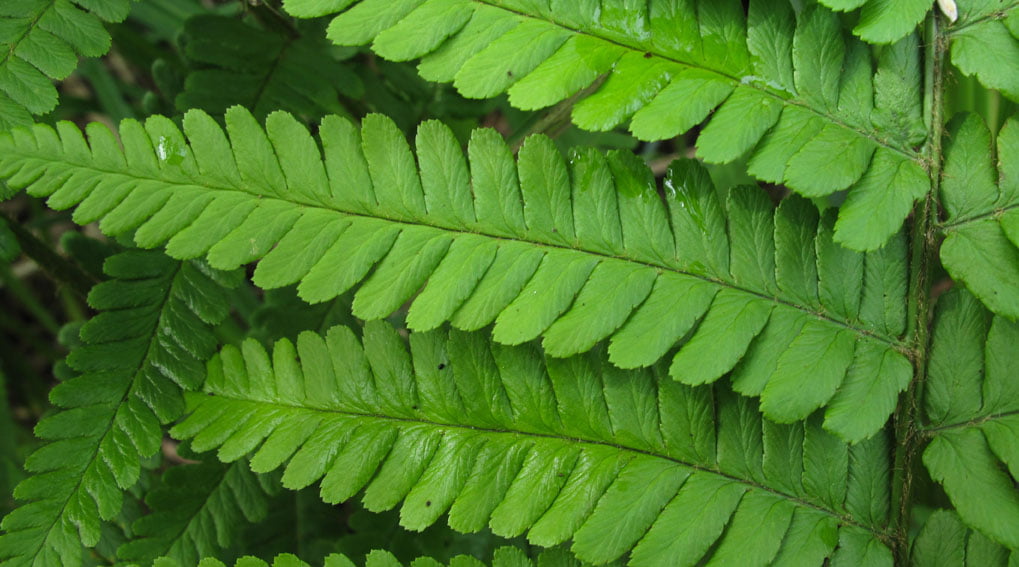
(923, 257)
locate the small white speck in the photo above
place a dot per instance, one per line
(949, 9)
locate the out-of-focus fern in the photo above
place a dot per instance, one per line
(772, 298)
(9, 462)
(145, 346)
(198, 511)
(41, 40)
(237, 62)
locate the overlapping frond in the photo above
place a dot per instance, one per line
(503, 557)
(982, 212)
(235, 62)
(787, 89)
(197, 511)
(972, 407)
(985, 43)
(882, 21)
(146, 345)
(40, 41)
(799, 320)
(944, 540)
(557, 449)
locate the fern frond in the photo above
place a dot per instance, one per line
(972, 407)
(40, 41)
(982, 209)
(558, 449)
(787, 90)
(503, 557)
(881, 21)
(944, 540)
(198, 511)
(985, 44)
(237, 63)
(801, 321)
(146, 345)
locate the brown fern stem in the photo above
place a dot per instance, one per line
(923, 258)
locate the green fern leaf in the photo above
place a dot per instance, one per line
(984, 36)
(237, 63)
(982, 224)
(985, 44)
(667, 66)
(606, 263)
(971, 401)
(40, 41)
(197, 511)
(883, 21)
(945, 540)
(145, 346)
(503, 557)
(561, 449)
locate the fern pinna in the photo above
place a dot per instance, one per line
(608, 260)
(567, 449)
(588, 359)
(145, 346)
(41, 40)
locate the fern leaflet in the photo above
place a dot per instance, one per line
(790, 92)
(944, 539)
(982, 224)
(985, 44)
(504, 557)
(199, 510)
(885, 22)
(40, 40)
(503, 243)
(972, 408)
(237, 63)
(146, 345)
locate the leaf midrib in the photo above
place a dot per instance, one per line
(795, 500)
(300, 200)
(871, 136)
(33, 22)
(996, 15)
(975, 421)
(993, 214)
(115, 407)
(185, 530)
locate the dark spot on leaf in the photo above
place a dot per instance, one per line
(428, 502)
(442, 365)
(509, 73)
(647, 55)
